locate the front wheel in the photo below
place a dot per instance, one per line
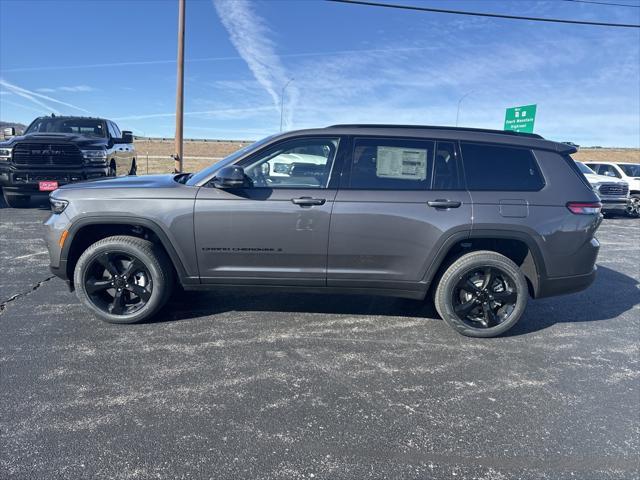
(633, 207)
(123, 279)
(482, 294)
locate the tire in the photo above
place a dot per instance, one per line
(16, 201)
(506, 294)
(134, 167)
(633, 209)
(112, 169)
(145, 281)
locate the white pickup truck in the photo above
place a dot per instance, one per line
(613, 193)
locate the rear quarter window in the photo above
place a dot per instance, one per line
(495, 167)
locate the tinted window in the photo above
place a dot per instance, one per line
(446, 170)
(630, 170)
(391, 164)
(112, 131)
(302, 163)
(490, 167)
(116, 130)
(83, 126)
(609, 171)
(584, 169)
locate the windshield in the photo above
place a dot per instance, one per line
(584, 169)
(207, 172)
(87, 127)
(630, 170)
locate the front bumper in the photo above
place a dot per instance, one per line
(26, 180)
(54, 227)
(616, 203)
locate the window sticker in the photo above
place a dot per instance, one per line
(401, 163)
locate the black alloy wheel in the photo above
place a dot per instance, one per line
(118, 283)
(485, 298)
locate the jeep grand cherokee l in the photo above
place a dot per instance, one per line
(478, 219)
(58, 150)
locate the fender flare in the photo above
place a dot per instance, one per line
(533, 265)
(174, 255)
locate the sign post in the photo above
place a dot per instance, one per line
(520, 119)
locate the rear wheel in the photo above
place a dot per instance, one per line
(16, 201)
(112, 168)
(482, 294)
(123, 279)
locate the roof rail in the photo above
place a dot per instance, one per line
(436, 127)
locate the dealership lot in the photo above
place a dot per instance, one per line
(270, 385)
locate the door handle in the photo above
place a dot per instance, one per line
(308, 201)
(444, 203)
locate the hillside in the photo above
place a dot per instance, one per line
(18, 126)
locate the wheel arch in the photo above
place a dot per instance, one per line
(89, 230)
(515, 245)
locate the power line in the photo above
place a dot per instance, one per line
(480, 14)
(603, 3)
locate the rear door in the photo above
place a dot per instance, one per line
(399, 199)
(275, 230)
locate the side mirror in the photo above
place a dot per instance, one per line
(9, 132)
(127, 137)
(229, 177)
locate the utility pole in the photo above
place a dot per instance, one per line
(460, 103)
(282, 101)
(180, 89)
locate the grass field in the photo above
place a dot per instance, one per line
(200, 154)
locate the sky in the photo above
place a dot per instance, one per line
(342, 64)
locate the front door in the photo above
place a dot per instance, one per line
(275, 229)
(399, 200)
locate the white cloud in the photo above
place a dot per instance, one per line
(252, 39)
(217, 113)
(38, 98)
(74, 88)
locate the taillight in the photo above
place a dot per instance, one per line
(584, 208)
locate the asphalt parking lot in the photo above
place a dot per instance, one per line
(242, 385)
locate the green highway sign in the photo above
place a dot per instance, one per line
(520, 119)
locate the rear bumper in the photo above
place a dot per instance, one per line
(550, 287)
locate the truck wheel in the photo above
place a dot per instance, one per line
(482, 294)
(112, 169)
(123, 279)
(633, 208)
(16, 201)
(134, 168)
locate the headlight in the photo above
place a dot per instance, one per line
(94, 155)
(5, 154)
(58, 206)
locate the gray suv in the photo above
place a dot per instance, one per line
(479, 220)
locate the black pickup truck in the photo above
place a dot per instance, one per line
(56, 150)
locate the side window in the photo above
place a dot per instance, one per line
(491, 167)
(609, 171)
(116, 130)
(391, 164)
(446, 170)
(112, 131)
(301, 163)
